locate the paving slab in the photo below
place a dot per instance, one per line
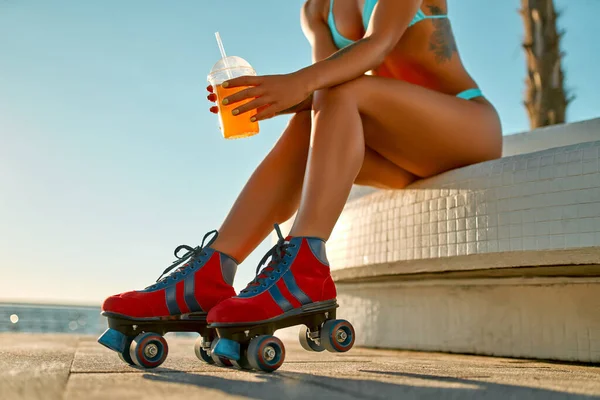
(35, 366)
(69, 367)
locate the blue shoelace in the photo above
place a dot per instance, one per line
(276, 253)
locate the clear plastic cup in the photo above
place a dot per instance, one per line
(239, 126)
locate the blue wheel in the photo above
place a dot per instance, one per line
(124, 355)
(307, 343)
(202, 353)
(266, 353)
(148, 350)
(242, 363)
(337, 336)
(220, 361)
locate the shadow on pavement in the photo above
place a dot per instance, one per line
(292, 385)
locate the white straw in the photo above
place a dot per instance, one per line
(223, 54)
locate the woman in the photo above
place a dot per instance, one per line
(385, 102)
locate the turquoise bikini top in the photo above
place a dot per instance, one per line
(342, 42)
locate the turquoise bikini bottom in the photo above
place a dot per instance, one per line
(470, 94)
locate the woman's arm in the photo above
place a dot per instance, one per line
(317, 31)
(318, 35)
(274, 94)
(389, 22)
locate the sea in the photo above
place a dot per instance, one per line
(48, 318)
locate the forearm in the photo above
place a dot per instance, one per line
(389, 21)
(306, 105)
(347, 64)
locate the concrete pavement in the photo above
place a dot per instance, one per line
(70, 367)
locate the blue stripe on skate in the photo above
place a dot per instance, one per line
(290, 283)
(189, 294)
(279, 299)
(171, 299)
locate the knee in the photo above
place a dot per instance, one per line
(343, 94)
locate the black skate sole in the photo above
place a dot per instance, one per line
(312, 315)
(130, 326)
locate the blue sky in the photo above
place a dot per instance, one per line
(109, 157)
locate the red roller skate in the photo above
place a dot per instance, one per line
(177, 302)
(294, 288)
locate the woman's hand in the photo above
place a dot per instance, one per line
(212, 97)
(271, 94)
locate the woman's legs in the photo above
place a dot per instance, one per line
(419, 130)
(272, 194)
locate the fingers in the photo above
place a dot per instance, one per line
(212, 98)
(242, 81)
(254, 104)
(265, 113)
(243, 95)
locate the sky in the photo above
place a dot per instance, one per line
(109, 157)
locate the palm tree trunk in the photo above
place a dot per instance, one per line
(545, 98)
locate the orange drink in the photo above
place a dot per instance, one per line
(232, 126)
(235, 126)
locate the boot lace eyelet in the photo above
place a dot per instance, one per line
(272, 278)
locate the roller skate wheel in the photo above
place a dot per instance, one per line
(218, 360)
(242, 363)
(148, 350)
(266, 353)
(337, 336)
(202, 353)
(306, 342)
(124, 355)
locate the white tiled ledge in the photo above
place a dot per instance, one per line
(546, 200)
(579, 262)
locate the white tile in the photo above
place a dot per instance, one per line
(588, 240)
(515, 231)
(588, 210)
(482, 247)
(557, 241)
(591, 153)
(516, 244)
(451, 238)
(471, 235)
(529, 243)
(572, 240)
(503, 245)
(590, 166)
(574, 168)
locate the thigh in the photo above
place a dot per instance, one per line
(377, 171)
(423, 131)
